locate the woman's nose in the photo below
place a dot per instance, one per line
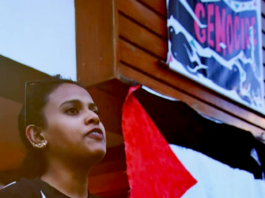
(91, 118)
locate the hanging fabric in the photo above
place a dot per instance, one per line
(173, 151)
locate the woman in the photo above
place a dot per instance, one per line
(61, 129)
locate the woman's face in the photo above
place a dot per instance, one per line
(73, 130)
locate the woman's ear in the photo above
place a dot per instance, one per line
(35, 136)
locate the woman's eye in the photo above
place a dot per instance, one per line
(72, 111)
(96, 111)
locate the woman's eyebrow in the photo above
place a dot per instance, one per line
(92, 106)
(74, 101)
(78, 102)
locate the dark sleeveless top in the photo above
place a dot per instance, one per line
(33, 188)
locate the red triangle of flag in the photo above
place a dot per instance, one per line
(153, 169)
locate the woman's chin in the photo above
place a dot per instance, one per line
(98, 153)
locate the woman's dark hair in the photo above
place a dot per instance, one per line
(36, 97)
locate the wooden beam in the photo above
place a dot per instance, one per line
(191, 101)
(95, 39)
(13, 76)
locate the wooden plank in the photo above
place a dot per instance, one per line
(108, 167)
(142, 37)
(193, 102)
(143, 16)
(94, 41)
(104, 183)
(109, 177)
(13, 76)
(12, 155)
(157, 5)
(148, 64)
(109, 107)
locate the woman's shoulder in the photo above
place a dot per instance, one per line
(20, 189)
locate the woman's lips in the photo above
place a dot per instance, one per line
(95, 134)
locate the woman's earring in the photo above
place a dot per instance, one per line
(45, 143)
(41, 144)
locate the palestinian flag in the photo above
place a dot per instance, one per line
(173, 151)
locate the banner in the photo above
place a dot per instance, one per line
(218, 44)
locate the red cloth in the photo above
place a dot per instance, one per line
(153, 169)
